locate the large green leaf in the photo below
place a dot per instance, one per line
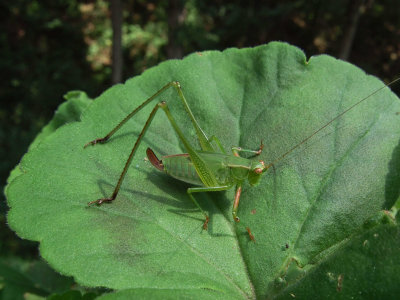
(312, 204)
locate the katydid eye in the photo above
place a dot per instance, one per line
(258, 170)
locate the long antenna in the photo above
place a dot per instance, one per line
(327, 124)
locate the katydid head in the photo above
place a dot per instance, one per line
(256, 170)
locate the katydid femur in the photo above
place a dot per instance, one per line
(211, 169)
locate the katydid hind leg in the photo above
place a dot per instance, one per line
(203, 140)
(203, 170)
(129, 116)
(218, 143)
(129, 160)
(209, 178)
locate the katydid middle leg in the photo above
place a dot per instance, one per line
(202, 190)
(235, 208)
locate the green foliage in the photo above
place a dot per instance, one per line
(316, 217)
(18, 278)
(73, 295)
(68, 112)
(43, 57)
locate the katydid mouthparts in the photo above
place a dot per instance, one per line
(209, 169)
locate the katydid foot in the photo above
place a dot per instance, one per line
(250, 234)
(236, 218)
(94, 142)
(258, 152)
(205, 225)
(101, 201)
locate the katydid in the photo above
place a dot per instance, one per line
(210, 169)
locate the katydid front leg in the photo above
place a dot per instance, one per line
(236, 203)
(236, 150)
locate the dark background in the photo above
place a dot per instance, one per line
(49, 47)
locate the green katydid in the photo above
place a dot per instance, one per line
(211, 169)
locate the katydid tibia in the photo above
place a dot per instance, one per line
(210, 169)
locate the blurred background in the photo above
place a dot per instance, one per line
(50, 47)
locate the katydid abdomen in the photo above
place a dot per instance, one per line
(181, 167)
(227, 169)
